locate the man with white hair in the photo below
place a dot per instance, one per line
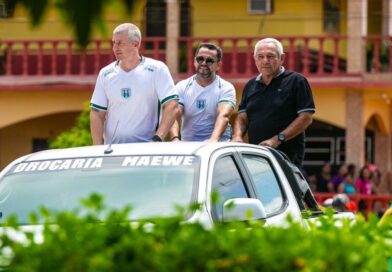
(277, 105)
(134, 99)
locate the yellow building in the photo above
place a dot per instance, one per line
(343, 47)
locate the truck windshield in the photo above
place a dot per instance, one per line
(151, 185)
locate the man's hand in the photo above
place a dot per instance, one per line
(170, 112)
(222, 120)
(237, 139)
(211, 140)
(240, 127)
(272, 142)
(175, 139)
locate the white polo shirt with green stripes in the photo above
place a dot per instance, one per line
(200, 107)
(132, 99)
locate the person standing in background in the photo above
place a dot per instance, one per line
(338, 178)
(347, 186)
(323, 178)
(364, 182)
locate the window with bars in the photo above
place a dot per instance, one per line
(259, 6)
(331, 9)
(5, 10)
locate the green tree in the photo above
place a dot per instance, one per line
(80, 15)
(79, 135)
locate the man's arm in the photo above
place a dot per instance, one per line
(97, 120)
(296, 127)
(240, 127)
(222, 120)
(174, 132)
(170, 112)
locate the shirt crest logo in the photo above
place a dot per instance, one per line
(126, 93)
(201, 104)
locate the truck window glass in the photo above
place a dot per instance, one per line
(228, 183)
(151, 185)
(265, 181)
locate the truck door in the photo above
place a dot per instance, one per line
(270, 185)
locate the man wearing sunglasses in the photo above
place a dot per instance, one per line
(129, 94)
(206, 100)
(277, 105)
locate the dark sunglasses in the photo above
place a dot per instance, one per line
(201, 59)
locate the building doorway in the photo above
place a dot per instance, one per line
(327, 143)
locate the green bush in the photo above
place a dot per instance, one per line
(80, 241)
(79, 135)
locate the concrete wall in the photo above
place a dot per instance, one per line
(18, 106)
(16, 140)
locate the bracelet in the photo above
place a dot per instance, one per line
(156, 138)
(175, 137)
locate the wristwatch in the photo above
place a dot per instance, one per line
(281, 137)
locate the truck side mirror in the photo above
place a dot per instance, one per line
(243, 209)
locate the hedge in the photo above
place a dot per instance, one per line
(96, 239)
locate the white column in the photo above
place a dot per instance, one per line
(172, 34)
(355, 128)
(356, 63)
(387, 17)
(356, 29)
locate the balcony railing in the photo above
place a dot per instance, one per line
(63, 57)
(310, 55)
(379, 54)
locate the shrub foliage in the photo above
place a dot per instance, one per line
(82, 241)
(79, 135)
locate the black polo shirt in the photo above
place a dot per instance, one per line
(271, 108)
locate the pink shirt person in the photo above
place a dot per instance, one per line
(364, 183)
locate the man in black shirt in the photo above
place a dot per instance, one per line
(277, 105)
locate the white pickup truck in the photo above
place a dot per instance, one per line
(154, 178)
